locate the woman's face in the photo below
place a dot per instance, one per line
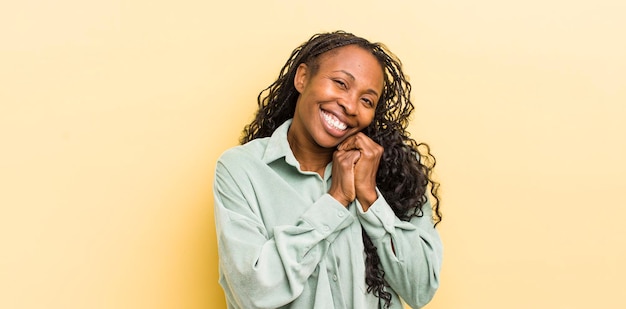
(339, 99)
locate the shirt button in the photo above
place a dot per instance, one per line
(326, 228)
(341, 214)
(334, 277)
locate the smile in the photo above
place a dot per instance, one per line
(333, 121)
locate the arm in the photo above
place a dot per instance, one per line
(410, 251)
(260, 270)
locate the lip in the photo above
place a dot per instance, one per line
(332, 130)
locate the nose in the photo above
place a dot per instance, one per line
(349, 104)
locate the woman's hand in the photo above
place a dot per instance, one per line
(342, 187)
(364, 168)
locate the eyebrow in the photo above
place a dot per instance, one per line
(372, 91)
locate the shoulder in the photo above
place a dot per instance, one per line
(252, 151)
(242, 165)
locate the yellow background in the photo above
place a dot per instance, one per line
(112, 114)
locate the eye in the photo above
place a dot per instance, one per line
(340, 83)
(368, 102)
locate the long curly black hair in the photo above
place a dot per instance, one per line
(405, 171)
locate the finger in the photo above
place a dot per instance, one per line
(354, 156)
(351, 142)
(343, 155)
(347, 144)
(361, 142)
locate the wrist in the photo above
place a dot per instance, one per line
(368, 199)
(341, 198)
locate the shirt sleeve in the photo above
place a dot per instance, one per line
(259, 271)
(410, 252)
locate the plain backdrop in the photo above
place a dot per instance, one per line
(112, 114)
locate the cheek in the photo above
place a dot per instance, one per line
(316, 93)
(367, 116)
(326, 89)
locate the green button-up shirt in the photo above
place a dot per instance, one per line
(284, 242)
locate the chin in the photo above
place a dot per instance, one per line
(329, 142)
(329, 145)
(333, 142)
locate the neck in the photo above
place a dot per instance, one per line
(311, 157)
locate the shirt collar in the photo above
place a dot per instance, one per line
(278, 146)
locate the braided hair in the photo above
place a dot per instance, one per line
(405, 171)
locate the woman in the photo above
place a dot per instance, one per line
(325, 204)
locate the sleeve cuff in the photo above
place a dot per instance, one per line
(378, 219)
(328, 217)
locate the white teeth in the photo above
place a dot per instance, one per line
(334, 122)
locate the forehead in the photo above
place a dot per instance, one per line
(354, 59)
(349, 52)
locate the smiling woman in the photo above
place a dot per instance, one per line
(336, 101)
(326, 204)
